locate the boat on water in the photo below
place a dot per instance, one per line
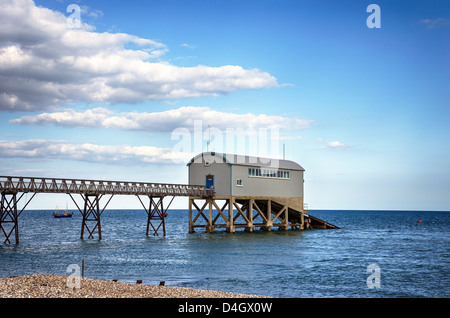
(63, 215)
(158, 216)
(58, 215)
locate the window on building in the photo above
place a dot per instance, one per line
(280, 174)
(239, 182)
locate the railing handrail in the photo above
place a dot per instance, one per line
(64, 185)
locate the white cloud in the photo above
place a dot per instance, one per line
(120, 154)
(189, 46)
(435, 23)
(44, 63)
(334, 145)
(92, 13)
(166, 121)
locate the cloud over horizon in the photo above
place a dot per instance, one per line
(111, 154)
(45, 64)
(165, 121)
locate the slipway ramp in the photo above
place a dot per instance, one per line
(316, 223)
(294, 215)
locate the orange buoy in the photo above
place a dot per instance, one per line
(419, 221)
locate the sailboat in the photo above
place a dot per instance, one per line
(59, 215)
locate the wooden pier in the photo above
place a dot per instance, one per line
(212, 211)
(13, 190)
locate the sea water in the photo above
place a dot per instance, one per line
(373, 254)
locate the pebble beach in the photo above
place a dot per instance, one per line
(55, 286)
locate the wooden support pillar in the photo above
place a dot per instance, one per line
(286, 218)
(212, 220)
(269, 222)
(192, 221)
(302, 221)
(210, 227)
(263, 213)
(9, 216)
(249, 227)
(230, 223)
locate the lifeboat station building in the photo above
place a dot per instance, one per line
(248, 192)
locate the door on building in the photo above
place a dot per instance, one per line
(210, 183)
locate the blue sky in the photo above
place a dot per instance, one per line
(364, 110)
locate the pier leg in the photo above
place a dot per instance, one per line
(91, 213)
(8, 215)
(269, 224)
(156, 213)
(210, 228)
(191, 223)
(230, 225)
(249, 227)
(286, 218)
(302, 221)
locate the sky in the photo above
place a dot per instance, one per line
(131, 90)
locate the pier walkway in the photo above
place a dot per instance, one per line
(91, 192)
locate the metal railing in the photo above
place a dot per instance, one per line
(57, 185)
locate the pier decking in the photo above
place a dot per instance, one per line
(81, 186)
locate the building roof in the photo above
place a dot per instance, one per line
(243, 160)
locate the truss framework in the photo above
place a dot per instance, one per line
(55, 185)
(156, 213)
(233, 212)
(9, 215)
(91, 191)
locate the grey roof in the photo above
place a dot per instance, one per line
(243, 160)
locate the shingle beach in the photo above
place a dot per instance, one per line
(55, 286)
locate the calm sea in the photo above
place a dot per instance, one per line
(413, 258)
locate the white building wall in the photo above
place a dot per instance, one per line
(266, 186)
